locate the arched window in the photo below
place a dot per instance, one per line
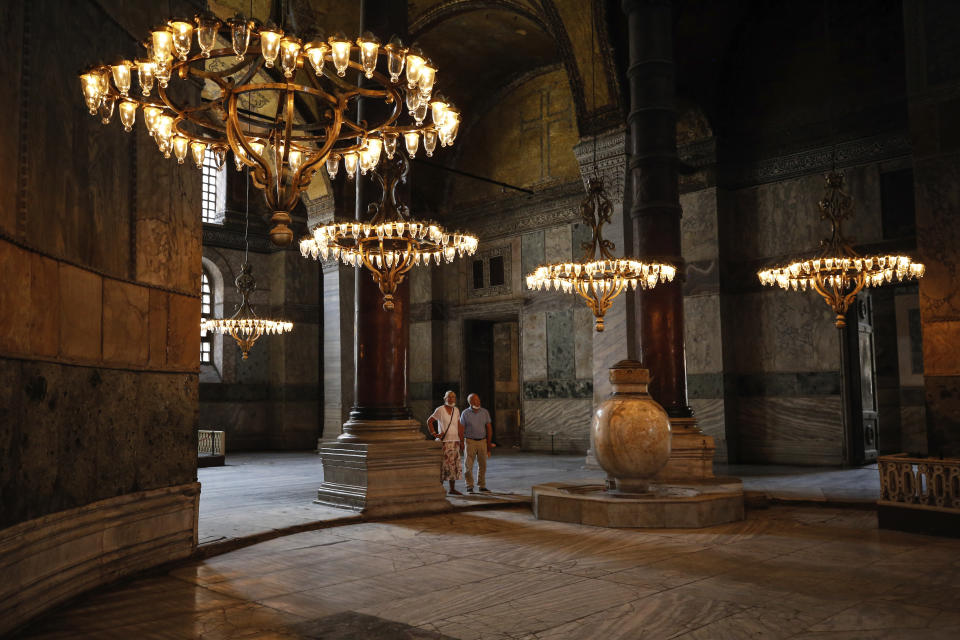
(213, 190)
(206, 310)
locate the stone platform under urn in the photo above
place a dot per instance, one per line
(632, 442)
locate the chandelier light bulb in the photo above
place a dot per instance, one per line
(350, 160)
(207, 27)
(428, 74)
(316, 50)
(395, 57)
(240, 36)
(333, 165)
(429, 141)
(414, 63)
(412, 141)
(162, 41)
(294, 159)
(198, 150)
(151, 117)
(340, 53)
(257, 147)
(145, 74)
(412, 101)
(90, 83)
(180, 147)
(121, 76)
(106, 108)
(438, 110)
(289, 54)
(219, 156)
(390, 144)
(162, 71)
(364, 162)
(270, 44)
(164, 126)
(420, 113)
(374, 148)
(182, 37)
(128, 114)
(369, 48)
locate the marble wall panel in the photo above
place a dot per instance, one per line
(126, 312)
(698, 225)
(610, 345)
(533, 346)
(421, 352)
(44, 320)
(938, 236)
(531, 251)
(561, 357)
(421, 285)
(570, 419)
(453, 349)
(583, 338)
(580, 234)
(759, 215)
(710, 414)
(14, 314)
(81, 313)
(943, 415)
(702, 334)
(800, 430)
(557, 244)
(913, 430)
(779, 330)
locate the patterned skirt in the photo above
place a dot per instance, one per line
(451, 469)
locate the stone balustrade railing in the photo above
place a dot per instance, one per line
(211, 447)
(919, 482)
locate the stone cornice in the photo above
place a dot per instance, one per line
(819, 160)
(610, 160)
(520, 214)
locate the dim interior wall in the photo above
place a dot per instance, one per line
(933, 79)
(99, 309)
(271, 400)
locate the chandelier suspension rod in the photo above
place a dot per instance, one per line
(467, 174)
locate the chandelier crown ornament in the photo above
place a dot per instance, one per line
(837, 272)
(600, 276)
(281, 105)
(245, 326)
(391, 243)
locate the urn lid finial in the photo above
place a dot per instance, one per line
(629, 372)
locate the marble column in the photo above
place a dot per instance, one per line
(381, 464)
(655, 217)
(605, 154)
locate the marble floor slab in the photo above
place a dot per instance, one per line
(258, 493)
(793, 572)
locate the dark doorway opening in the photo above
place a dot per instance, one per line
(491, 368)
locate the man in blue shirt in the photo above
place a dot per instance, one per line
(479, 437)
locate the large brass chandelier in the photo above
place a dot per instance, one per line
(599, 279)
(301, 99)
(245, 326)
(838, 273)
(391, 243)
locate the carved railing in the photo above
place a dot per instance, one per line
(211, 443)
(919, 482)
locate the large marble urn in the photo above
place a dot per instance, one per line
(631, 432)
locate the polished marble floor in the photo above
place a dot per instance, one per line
(259, 492)
(785, 572)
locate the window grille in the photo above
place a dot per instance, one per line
(213, 190)
(206, 310)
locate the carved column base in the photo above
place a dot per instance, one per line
(382, 468)
(691, 453)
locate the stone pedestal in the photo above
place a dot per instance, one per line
(382, 468)
(691, 453)
(680, 505)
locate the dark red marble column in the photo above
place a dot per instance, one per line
(382, 338)
(655, 212)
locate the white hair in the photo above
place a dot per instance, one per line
(445, 395)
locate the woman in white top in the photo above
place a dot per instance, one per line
(444, 425)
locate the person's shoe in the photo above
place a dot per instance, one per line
(454, 492)
(469, 489)
(484, 490)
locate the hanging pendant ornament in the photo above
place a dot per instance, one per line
(391, 243)
(302, 96)
(599, 281)
(839, 273)
(245, 326)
